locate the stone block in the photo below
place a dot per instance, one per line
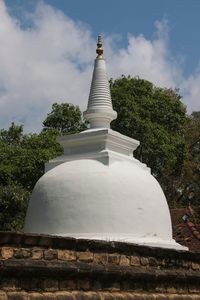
(85, 256)
(195, 266)
(61, 254)
(64, 295)
(147, 286)
(178, 263)
(49, 296)
(162, 263)
(135, 261)
(114, 286)
(17, 296)
(9, 284)
(67, 285)
(45, 241)
(160, 296)
(36, 284)
(50, 285)
(171, 290)
(182, 288)
(96, 285)
(84, 284)
(7, 252)
(153, 262)
(25, 284)
(160, 288)
(67, 255)
(186, 264)
(67, 243)
(31, 240)
(37, 254)
(50, 254)
(124, 260)
(194, 289)
(101, 258)
(3, 295)
(109, 296)
(144, 261)
(70, 255)
(36, 296)
(125, 285)
(113, 259)
(5, 237)
(22, 253)
(79, 295)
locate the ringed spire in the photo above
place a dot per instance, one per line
(99, 111)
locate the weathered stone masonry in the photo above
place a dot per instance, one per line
(46, 267)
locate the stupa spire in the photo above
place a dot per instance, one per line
(100, 110)
(99, 49)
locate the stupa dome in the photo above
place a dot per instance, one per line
(97, 189)
(88, 199)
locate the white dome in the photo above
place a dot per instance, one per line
(87, 199)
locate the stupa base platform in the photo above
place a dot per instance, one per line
(125, 238)
(51, 267)
(81, 295)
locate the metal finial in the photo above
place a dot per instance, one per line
(99, 49)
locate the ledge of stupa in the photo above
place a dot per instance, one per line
(105, 145)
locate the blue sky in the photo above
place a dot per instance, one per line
(136, 17)
(157, 40)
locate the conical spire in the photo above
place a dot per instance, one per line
(100, 111)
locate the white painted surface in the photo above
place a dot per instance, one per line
(100, 111)
(93, 143)
(119, 200)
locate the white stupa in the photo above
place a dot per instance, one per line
(97, 189)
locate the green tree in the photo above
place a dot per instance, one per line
(13, 204)
(23, 162)
(190, 178)
(13, 135)
(65, 118)
(156, 117)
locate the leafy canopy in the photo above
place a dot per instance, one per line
(13, 205)
(22, 159)
(154, 116)
(65, 118)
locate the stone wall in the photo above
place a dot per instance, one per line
(46, 267)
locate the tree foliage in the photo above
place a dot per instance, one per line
(185, 188)
(13, 135)
(155, 117)
(13, 205)
(22, 160)
(65, 118)
(190, 177)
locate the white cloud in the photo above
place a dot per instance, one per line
(42, 65)
(191, 91)
(149, 59)
(52, 61)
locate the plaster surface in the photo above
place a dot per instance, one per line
(114, 199)
(100, 111)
